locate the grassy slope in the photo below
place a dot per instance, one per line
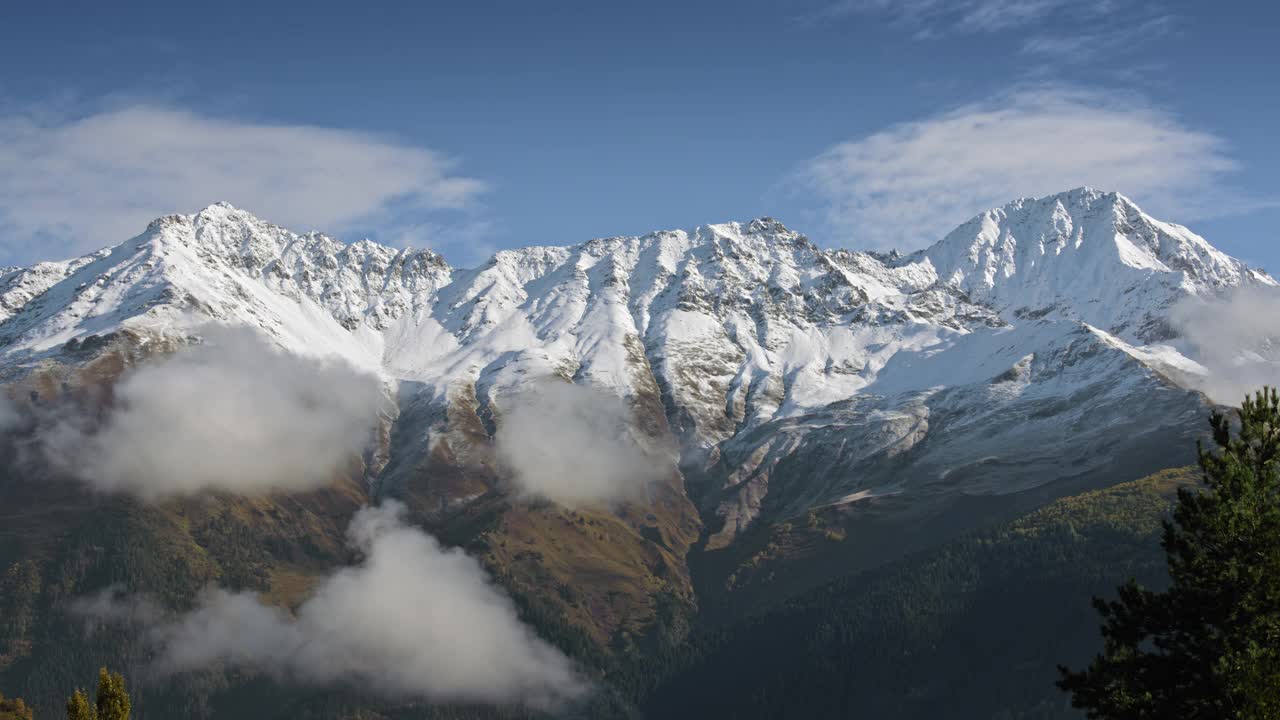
(972, 629)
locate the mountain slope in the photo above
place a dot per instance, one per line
(755, 348)
(972, 629)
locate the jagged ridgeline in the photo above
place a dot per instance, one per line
(812, 414)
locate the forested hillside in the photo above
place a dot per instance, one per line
(974, 629)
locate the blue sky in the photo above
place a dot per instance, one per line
(476, 126)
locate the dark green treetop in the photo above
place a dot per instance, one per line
(1209, 646)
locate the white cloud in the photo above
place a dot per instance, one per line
(908, 185)
(574, 445)
(72, 185)
(1236, 338)
(232, 413)
(411, 620)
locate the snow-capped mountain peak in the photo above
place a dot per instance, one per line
(758, 350)
(1084, 254)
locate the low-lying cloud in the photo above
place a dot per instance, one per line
(9, 415)
(1236, 338)
(575, 445)
(412, 620)
(231, 413)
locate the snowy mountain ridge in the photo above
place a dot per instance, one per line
(761, 352)
(1052, 253)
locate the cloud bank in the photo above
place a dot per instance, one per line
(231, 413)
(573, 445)
(412, 620)
(908, 185)
(71, 185)
(1236, 338)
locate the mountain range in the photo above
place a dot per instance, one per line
(822, 411)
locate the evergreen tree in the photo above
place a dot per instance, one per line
(78, 707)
(112, 702)
(1209, 646)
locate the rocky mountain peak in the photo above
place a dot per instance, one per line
(762, 351)
(1083, 254)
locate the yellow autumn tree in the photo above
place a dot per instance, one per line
(112, 701)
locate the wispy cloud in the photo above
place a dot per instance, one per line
(1079, 46)
(1058, 30)
(930, 18)
(72, 184)
(907, 185)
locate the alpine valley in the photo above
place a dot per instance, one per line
(866, 456)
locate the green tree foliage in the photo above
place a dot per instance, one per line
(78, 707)
(112, 701)
(1208, 647)
(13, 709)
